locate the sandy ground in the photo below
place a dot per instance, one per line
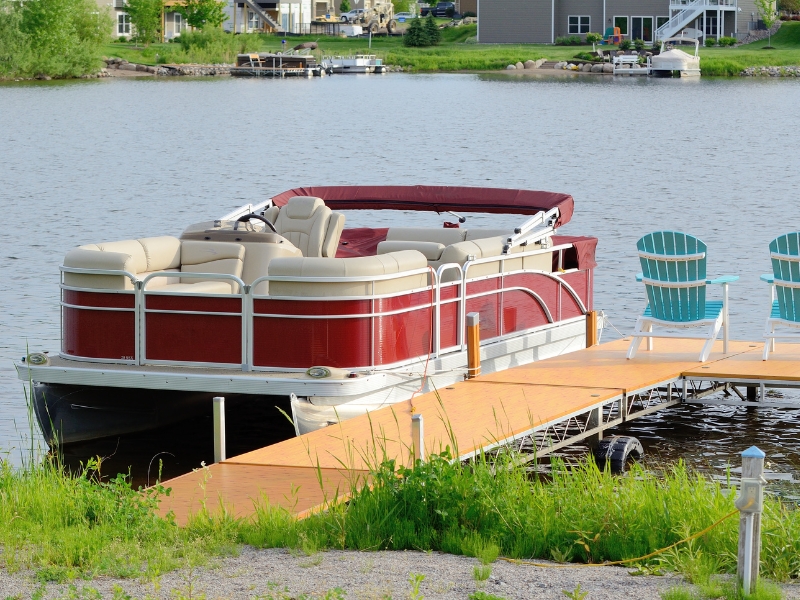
(278, 574)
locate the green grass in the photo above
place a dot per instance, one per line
(73, 525)
(66, 526)
(732, 61)
(454, 54)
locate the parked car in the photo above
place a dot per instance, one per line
(404, 16)
(352, 16)
(442, 9)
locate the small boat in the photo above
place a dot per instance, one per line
(672, 61)
(297, 62)
(359, 63)
(280, 299)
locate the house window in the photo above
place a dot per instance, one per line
(123, 24)
(579, 24)
(711, 25)
(661, 21)
(253, 20)
(622, 23)
(178, 22)
(642, 29)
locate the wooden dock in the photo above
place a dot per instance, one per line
(553, 403)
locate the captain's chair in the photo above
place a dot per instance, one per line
(310, 225)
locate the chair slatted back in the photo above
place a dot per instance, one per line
(674, 271)
(785, 254)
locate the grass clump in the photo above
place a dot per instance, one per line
(67, 525)
(74, 525)
(582, 514)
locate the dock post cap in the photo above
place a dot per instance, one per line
(473, 319)
(416, 417)
(753, 452)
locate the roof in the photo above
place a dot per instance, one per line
(436, 198)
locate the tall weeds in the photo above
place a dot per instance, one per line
(75, 524)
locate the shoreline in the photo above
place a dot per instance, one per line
(281, 575)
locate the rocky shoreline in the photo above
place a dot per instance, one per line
(771, 72)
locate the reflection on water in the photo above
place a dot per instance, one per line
(108, 160)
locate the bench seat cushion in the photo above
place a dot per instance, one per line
(430, 250)
(366, 266)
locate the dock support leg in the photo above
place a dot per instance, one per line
(685, 390)
(219, 429)
(595, 423)
(418, 437)
(752, 396)
(473, 345)
(749, 504)
(591, 329)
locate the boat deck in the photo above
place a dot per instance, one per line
(552, 402)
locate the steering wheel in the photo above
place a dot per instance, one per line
(245, 218)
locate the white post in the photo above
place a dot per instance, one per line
(219, 429)
(418, 437)
(725, 318)
(750, 504)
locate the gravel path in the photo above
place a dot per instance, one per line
(279, 575)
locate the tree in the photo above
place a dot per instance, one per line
(405, 5)
(344, 6)
(432, 33)
(202, 13)
(415, 34)
(766, 9)
(65, 37)
(789, 6)
(146, 19)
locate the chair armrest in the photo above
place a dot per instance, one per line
(639, 277)
(723, 279)
(768, 277)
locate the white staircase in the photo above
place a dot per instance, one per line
(681, 19)
(263, 15)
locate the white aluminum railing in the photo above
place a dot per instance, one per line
(247, 296)
(683, 12)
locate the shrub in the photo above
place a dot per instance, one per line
(585, 56)
(432, 33)
(593, 38)
(469, 13)
(625, 45)
(727, 41)
(710, 42)
(211, 46)
(572, 40)
(638, 44)
(344, 6)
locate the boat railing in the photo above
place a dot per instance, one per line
(205, 329)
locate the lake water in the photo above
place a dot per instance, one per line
(115, 159)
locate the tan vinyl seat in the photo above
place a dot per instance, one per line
(310, 225)
(431, 250)
(142, 257)
(491, 247)
(485, 232)
(366, 266)
(212, 257)
(438, 235)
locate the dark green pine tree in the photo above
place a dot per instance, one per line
(415, 34)
(432, 34)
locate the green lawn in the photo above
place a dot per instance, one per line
(454, 54)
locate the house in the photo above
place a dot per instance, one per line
(293, 16)
(542, 21)
(172, 23)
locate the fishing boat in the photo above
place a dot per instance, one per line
(672, 61)
(357, 64)
(281, 299)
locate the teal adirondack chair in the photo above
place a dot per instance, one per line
(785, 281)
(674, 275)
